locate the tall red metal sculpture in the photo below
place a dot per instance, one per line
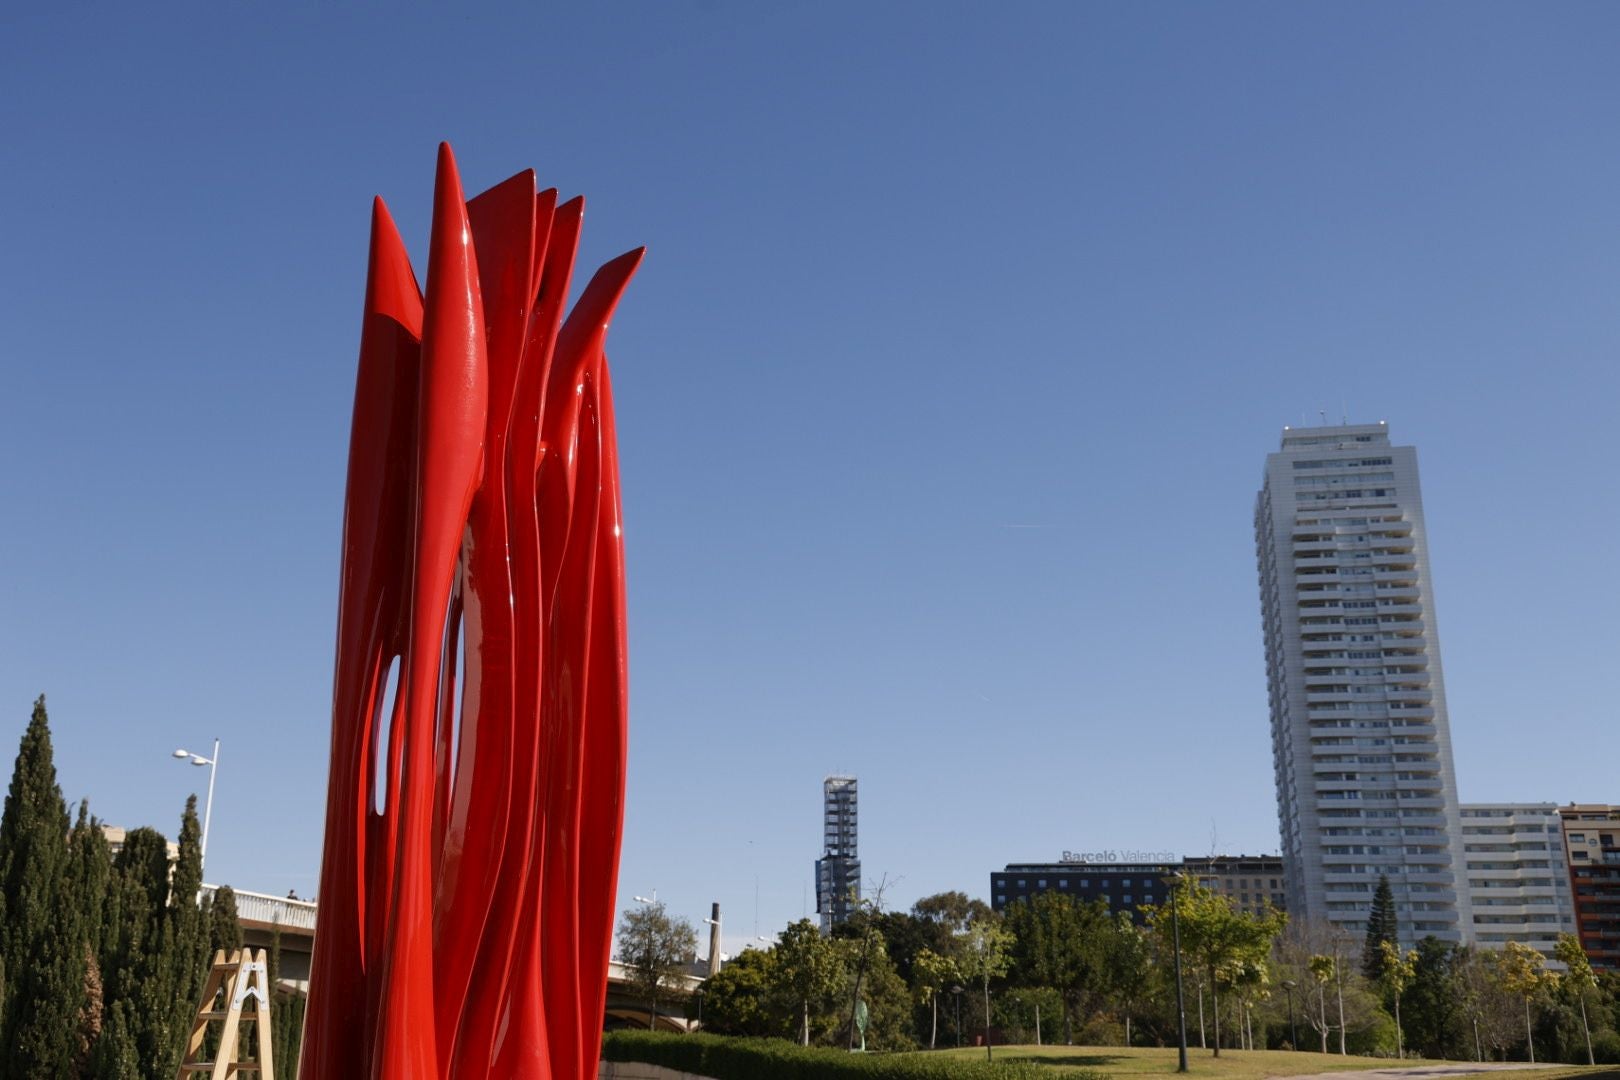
(471, 860)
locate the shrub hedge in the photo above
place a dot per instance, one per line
(724, 1058)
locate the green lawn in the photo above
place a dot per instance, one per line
(1119, 1061)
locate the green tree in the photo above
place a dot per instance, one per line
(1395, 972)
(1381, 927)
(40, 931)
(286, 1008)
(1127, 965)
(1057, 942)
(952, 911)
(89, 874)
(808, 969)
(1518, 971)
(224, 924)
(1323, 970)
(654, 949)
(888, 1002)
(115, 1056)
(931, 974)
(89, 870)
(184, 963)
(1432, 1007)
(1218, 939)
(134, 964)
(737, 1000)
(1579, 979)
(984, 956)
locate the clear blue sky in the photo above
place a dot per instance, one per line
(944, 394)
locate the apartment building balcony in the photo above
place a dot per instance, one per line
(1423, 821)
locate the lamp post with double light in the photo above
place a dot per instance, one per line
(208, 807)
(1175, 882)
(1289, 986)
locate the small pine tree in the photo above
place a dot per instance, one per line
(1381, 928)
(40, 942)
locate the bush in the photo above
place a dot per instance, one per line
(1606, 1047)
(756, 1059)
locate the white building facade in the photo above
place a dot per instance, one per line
(1518, 881)
(1361, 742)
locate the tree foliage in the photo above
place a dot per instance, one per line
(654, 948)
(1382, 929)
(1221, 941)
(40, 927)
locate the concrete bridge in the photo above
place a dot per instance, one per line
(262, 915)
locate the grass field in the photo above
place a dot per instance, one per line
(1119, 1061)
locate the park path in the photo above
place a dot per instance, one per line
(1419, 1072)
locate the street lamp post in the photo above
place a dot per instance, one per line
(1289, 985)
(208, 807)
(1181, 1002)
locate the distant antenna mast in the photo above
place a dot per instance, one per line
(1323, 414)
(1344, 413)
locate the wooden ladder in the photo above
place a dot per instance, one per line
(237, 991)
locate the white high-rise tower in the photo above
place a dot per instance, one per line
(1359, 735)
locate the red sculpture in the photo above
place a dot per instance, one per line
(468, 879)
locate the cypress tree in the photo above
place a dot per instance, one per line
(39, 930)
(137, 939)
(89, 874)
(1381, 927)
(184, 966)
(224, 925)
(114, 1057)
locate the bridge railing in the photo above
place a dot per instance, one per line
(262, 908)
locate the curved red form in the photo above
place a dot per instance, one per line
(472, 842)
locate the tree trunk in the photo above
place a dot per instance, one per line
(1215, 1010)
(1338, 985)
(804, 1028)
(989, 1054)
(1127, 1029)
(1321, 999)
(1590, 1060)
(933, 1034)
(1202, 1044)
(1529, 1034)
(1400, 1047)
(1479, 1051)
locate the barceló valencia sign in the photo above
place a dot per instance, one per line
(1113, 855)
